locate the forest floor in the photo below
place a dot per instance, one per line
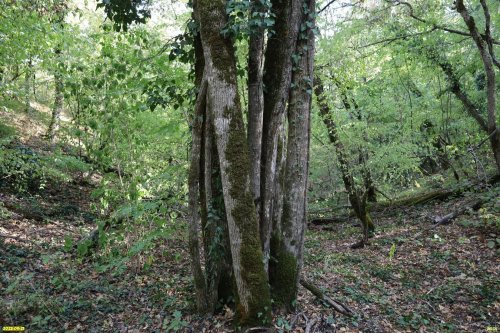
(444, 280)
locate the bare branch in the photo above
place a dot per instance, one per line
(393, 39)
(326, 6)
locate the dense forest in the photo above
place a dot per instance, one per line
(249, 165)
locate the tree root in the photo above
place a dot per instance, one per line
(336, 305)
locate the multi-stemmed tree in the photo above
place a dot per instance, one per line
(248, 184)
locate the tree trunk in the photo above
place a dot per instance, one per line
(227, 164)
(277, 79)
(58, 103)
(471, 108)
(255, 102)
(486, 57)
(287, 245)
(27, 90)
(215, 234)
(253, 302)
(194, 201)
(349, 103)
(356, 197)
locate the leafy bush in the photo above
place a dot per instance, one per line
(21, 169)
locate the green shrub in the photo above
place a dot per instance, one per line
(21, 169)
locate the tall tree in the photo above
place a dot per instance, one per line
(58, 9)
(357, 196)
(223, 105)
(227, 177)
(485, 48)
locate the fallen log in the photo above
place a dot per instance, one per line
(329, 220)
(418, 199)
(448, 218)
(336, 305)
(387, 207)
(443, 220)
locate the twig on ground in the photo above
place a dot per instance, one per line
(310, 325)
(336, 305)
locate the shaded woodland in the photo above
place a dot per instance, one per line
(249, 166)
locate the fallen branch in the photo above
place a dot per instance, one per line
(91, 241)
(310, 324)
(448, 218)
(384, 195)
(336, 305)
(443, 220)
(259, 329)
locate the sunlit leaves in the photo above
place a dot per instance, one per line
(125, 12)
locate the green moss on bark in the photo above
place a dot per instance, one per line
(369, 223)
(282, 274)
(245, 216)
(213, 18)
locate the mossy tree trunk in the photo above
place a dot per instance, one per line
(216, 242)
(223, 105)
(256, 100)
(237, 198)
(287, 242)
(357, 197)
(277, 80)
(214, 282)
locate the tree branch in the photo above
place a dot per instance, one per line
(435, 26)
(326, 6)
(336, 305)
(487, 32)
(393, 39)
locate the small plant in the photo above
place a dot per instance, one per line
(283, 324)
(392, 251)
(7, 133)
(174, 323)
(4, 212)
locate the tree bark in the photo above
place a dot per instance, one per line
(287, 248)
(58, 102)
(277, 80)
(253, 302)
(255, 102)
(194, 201)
